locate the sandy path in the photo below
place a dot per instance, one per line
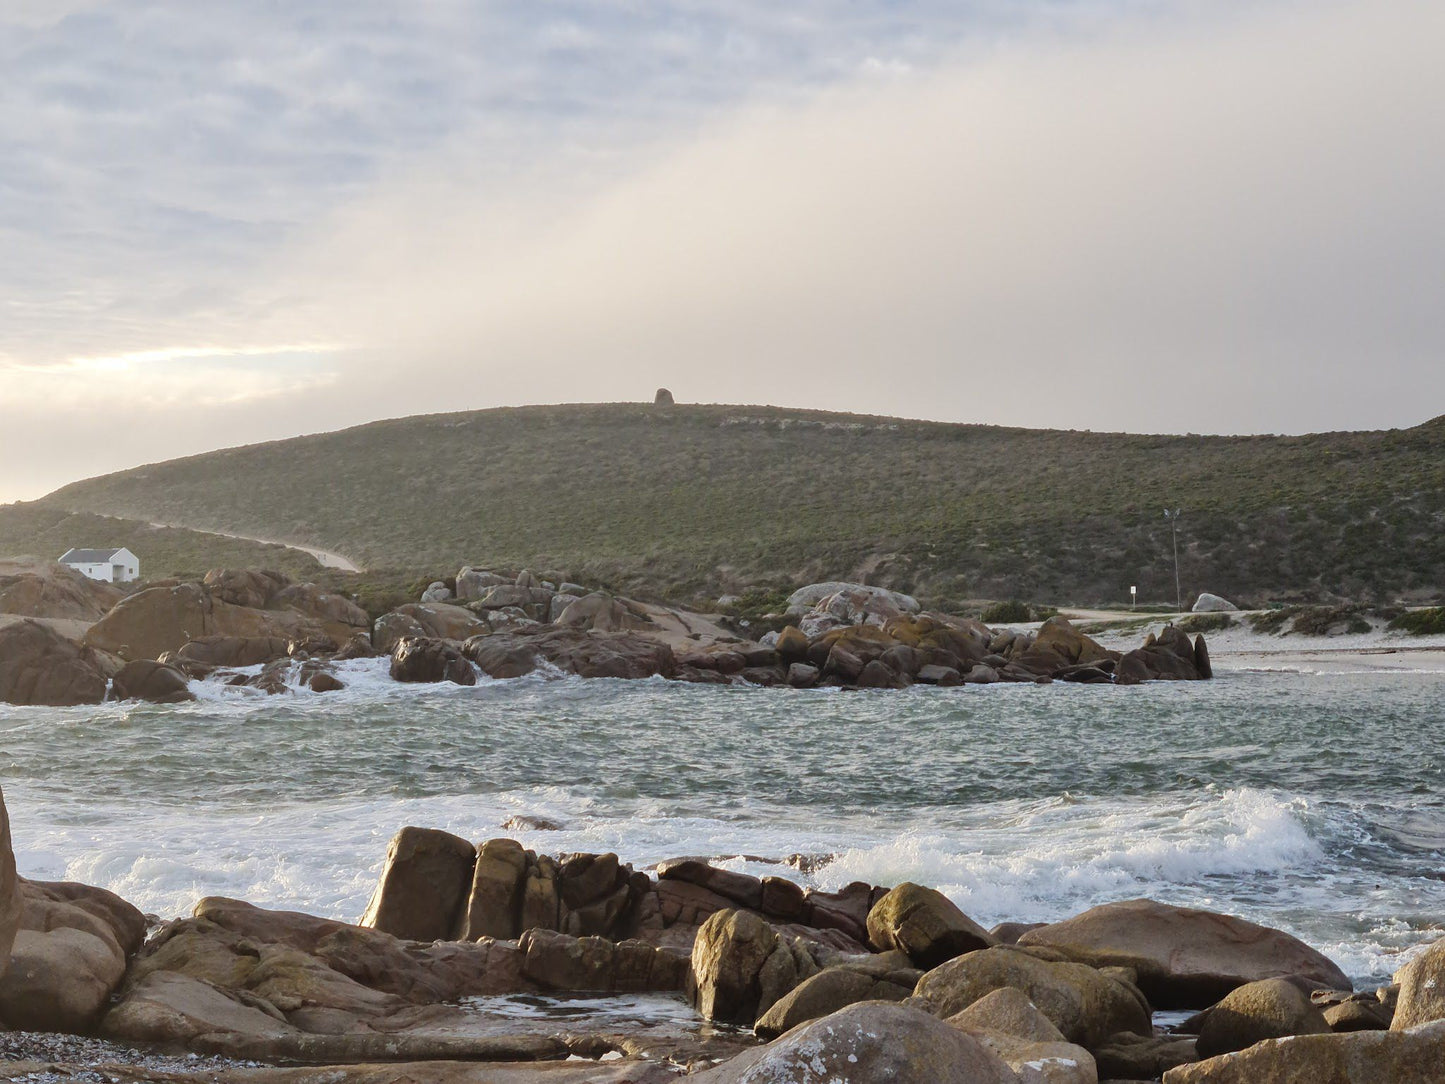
(328, 558)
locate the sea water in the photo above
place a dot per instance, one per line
(1307, 801)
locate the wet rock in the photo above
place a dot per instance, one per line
(557, 961)
(933, 674)
(1184, 957)
(871, 1041)
(925, 924)
(427, 660)
(39, 666)
(153, 681)
(432, 620)
(802, 676)
(1083, 1004)
(572, 650)
(1268, 1009)
(423, 886)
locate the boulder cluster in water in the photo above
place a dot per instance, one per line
(150, 644)
(869, 983)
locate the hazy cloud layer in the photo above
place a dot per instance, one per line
(273, 219)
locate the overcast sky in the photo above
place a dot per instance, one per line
(230, 223)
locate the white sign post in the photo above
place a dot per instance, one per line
(1133, 596)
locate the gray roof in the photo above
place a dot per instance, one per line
(88, 557)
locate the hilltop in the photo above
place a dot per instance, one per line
(698, 500)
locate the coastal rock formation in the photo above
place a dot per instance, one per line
(228, 603)
(1268, 1009)
(1422, 989)
(69, 955)
(30, 587)
(924, 924)
(39, 666)
(1086, 1005)
(876, 979)
(423, 885)
(587, 653)
(740, 967)
(872, 1041)
(1364, 1057)
(10, 903)
(431, 620)
(153, 681)
(1184, 957)
(422, 659)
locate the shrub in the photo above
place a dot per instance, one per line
(1429, 622)
(1206, 622)
(1010, 612)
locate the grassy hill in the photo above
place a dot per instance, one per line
(690, 501)
(48, 530)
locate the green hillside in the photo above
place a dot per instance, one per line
(48, 530)
(690, 501)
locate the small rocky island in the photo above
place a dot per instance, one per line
(71, 641)
(787, 985)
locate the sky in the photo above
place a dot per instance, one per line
(226, 223)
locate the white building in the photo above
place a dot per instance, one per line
(113, 566)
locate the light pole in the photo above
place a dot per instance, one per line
(1173, 518)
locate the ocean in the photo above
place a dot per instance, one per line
(1308, 800)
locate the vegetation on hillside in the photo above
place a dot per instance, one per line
(697, 501)
(47, 531)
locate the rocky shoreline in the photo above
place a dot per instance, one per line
(786, 984)
(151, 644)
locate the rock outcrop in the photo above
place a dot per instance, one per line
(157, 682)
(228, 603)
(425, 660)
(1086, 1005)
(10, 903)
(1268, 1009)
(68, 957)
(1422, 989)
(39, 666)
(30, 587)
(872, 1041)
(924, 924)
(1363, 1057)
(740, 967)
(1184, 958)
(423, 885)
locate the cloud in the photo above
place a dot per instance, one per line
(1227, 225)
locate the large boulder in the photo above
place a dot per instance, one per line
(1415, 1056)
(1009, 1024)
(68, 957)
(572, 650)
(1268, 1009)
(1084, 1004)
(495, 905)
(39, 666)
(1422, 989)
(199, 657)
(431, 620)
(157, 682)
(1207, 603)
(473, 583)
(423, 886)
(827, 992)
(1184, 958)
(925, 924)
(10, 903)
(151, 622)
(33, 588)
(740, 967)
(807, 598)
(864, 1043)
(425, 660)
